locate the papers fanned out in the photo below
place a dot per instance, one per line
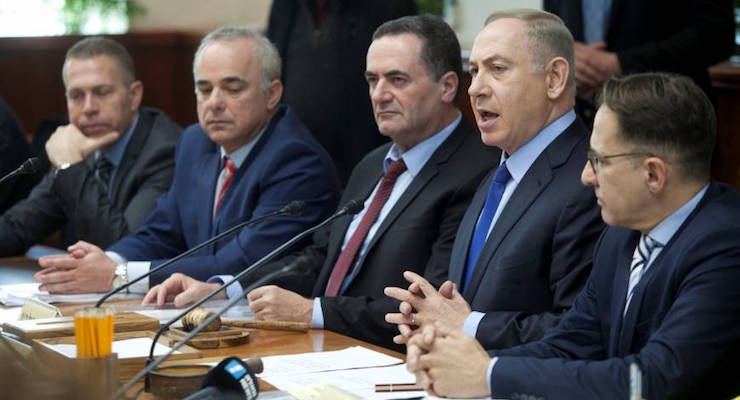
(17, 294)
(129, 348)
(349, 358)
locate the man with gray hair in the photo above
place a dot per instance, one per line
(248, 156)
(111, 161)
(524, 247)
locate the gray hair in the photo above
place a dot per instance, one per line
(98, 46)
(547, 35)
(270, 62)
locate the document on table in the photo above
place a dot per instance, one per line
(349, 358)
(128, 348)
(17, 294)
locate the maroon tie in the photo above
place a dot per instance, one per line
(228, 171)
(346, 259)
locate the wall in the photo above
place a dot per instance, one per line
(471, 14)
(200, 16)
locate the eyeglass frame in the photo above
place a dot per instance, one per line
(594, 159)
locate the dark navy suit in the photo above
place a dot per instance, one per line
(285, 164)
(682, 327)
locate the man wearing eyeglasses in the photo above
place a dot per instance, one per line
(660, 314)
(524, 246)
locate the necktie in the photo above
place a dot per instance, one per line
(102, 170)
(639, 264)
(495, 192)
(348, 255)
(224, 179)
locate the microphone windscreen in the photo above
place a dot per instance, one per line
(295, 208)
(31, 165)
(354, 206)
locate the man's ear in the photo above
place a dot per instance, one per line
(136, 91)
(449, 84)
(656, 174)
(274, 93)
(556, 77)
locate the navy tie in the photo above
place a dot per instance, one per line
(495, 192)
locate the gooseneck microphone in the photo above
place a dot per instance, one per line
(29, 166)
(295, 208)
(350, 208)
(232, 378)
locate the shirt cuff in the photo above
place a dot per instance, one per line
(470, 327)
(135, 269)
(233, 290)
(317, 315)
(490, 373)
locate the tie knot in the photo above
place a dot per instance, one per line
(229, 165)
(502, 174)
(395, 169)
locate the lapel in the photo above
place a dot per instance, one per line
(427, 173)
(619, 292)
(614, 11)
(205, 185)
(133, 149)
(465, 232)
(527, 191)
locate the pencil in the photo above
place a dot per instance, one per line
(397, 387)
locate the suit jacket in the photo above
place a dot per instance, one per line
(14, 150)
(416, 235)
(285, 164)
(682, 327)
(538, 255)
(73, 199)
(661, 35)
(324, 69)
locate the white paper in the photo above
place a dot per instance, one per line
(128, 348)
(358, 382)
(351, 357)
(17, 294)
(168, 312)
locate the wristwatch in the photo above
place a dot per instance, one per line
(62, 167)
(120, 277)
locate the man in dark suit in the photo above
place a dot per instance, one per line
(14, 150)
(619, 37)
(247, 157)
(524, 247)
(659, 317)
(413, 71)
(110, 163)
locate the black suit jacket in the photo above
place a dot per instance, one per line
(14, 150)
(538, 255)
(76, 202)
(682, 327)
(416, 235)
(661, 35)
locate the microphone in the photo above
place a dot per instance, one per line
(293, 208)
(29, 166)
(152, 363)
(350, 208)
(232, 378)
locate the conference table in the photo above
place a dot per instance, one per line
(262, 342)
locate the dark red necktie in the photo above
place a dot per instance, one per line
(228, 171)
(347, 258)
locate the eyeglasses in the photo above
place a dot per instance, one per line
(595, 159)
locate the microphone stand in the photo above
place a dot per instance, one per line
(292, 208)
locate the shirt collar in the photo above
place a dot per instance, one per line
(665, 230)
(417, 156)
(239, 155)
(114, 153)
(519, 162)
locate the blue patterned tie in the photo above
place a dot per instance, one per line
(640, 260)
(495, 192)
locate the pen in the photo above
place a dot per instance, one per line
(397, 387)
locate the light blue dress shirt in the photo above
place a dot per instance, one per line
(518, 164)
(663, 232)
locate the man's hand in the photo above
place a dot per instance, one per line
(276, 304)
(594, 65)
(69, 145)
(421, 305)
(448, 363)
(181, 290)
(86, 269)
